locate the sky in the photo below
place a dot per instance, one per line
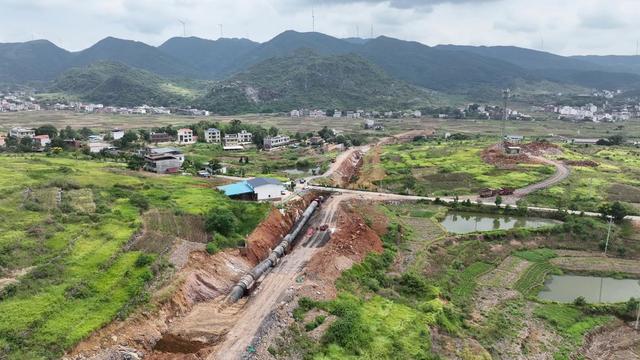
(566, 27)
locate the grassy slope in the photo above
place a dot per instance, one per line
(81, 278)
(452, 168)
(588, 187)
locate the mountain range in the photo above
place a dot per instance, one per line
(243, 67)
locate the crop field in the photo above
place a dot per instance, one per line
(71, 246)
(450, 168)
(283, 163)
(616, 178)
(542, 128)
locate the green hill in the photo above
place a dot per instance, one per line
(117, 84)
(307, 79)
(208, 57)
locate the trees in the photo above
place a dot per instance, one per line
(135, 163)
(498, 200)
(615, 210)
(273, 131)
(221, 220)
(47, 130)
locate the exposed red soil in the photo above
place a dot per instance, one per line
(271, 231)
(348, 169)
(350, 244)
(495, 154)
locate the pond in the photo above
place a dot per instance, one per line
(566, 288)
(301, 172)
(463, 223)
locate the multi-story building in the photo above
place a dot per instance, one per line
(212, 135)
(20, 133)
(185, 136)
(240, 138)
(275, 141)
(117, 134)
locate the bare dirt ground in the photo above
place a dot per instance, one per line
(617, 341)
(598, 263)
(274, 288)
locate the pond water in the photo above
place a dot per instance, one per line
(566, 288)
(463, 223)
(300, 172)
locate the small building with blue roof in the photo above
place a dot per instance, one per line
(257, 189)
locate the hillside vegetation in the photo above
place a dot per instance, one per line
(307, 79)
(116, 84)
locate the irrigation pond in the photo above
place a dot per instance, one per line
(463, 223)
(566, 288)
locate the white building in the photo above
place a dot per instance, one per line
(117, 134)
(20, 133)
(185, 136)
(295, 113)
(240, 138)
(275, 141)
(96, 147)
(212, 135)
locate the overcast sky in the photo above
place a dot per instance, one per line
(565, 27)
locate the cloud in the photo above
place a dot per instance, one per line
(602, 22)
(421, 5)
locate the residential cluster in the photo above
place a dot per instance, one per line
(354, 114)
(591, 112)
(14, 102)
(136, 110)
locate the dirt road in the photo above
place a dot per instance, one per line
(276, 285)
(562, 172)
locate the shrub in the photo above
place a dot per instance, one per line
(580, 301)
(212, 248)
(144, 260)
(319, 320)
(221, 221)
(139, 201)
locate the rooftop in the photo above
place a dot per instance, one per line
(236, 188)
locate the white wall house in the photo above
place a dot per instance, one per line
(117, 134)
(185, 136)
(240, 138)
(275, 141)
(212, 135)
(20, 133)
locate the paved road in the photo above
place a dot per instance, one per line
(379, 196)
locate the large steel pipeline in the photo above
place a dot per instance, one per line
(248, 280)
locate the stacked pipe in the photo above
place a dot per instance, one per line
(247, 281)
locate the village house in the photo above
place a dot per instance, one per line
(117, 134)
(295, 113)
(160, 137)
(257, 189)
(315, 140)
(240, 138)
(96, 147)
(20, 133)
(163, 160)
(514, 139)
(369, 124)
(3, 141)
(41, 140)
(185, 136)
(212, 135)
(275, 141)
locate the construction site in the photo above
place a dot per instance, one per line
(336, 272)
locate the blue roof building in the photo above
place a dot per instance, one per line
(254, 189)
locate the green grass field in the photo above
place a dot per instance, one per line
(616, 178)
(80, 277)
(450, 168)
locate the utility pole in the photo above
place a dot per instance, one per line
(606, 245)
(371, 32)
(313, 19)
(638, 315)
(221, 34)
(357, 31)
(505, 96)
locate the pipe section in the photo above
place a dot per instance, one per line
(248, 280)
